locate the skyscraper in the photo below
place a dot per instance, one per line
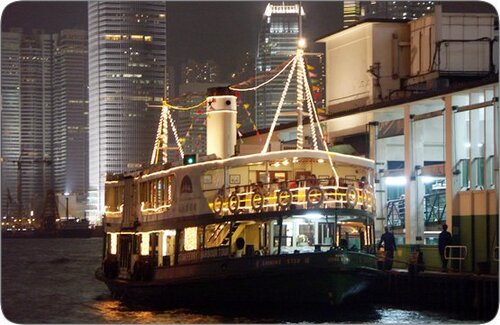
(127, 61)
(26, 120)
(200, 71)
(70, 113)
(355, 11)
(278, 38)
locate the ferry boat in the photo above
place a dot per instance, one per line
(284, 227)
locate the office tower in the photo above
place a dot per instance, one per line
(170, 84)
(198, 71)
(278, 38)
(26, 121)
(127, 63)
(70, 103)
(355, 11)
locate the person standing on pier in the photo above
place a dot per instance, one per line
(389, 247)
(444, 240)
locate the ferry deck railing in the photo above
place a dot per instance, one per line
(300, 194)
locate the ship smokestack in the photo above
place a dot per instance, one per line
(221, 122)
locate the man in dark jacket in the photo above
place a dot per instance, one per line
(389, 247)
(444, 240)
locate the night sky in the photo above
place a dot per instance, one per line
(222, 31)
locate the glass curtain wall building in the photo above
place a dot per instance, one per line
(127, 64)
(277, 44)
(26, 121)
(356, 11)
(70, 131)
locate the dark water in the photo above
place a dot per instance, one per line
(52, 281)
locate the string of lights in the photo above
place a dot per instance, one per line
(266, 82)
(310, 107)
(315, 119)
(165, 141)
(184, 108)
(280, 104)
(156, 148)
(300, 99)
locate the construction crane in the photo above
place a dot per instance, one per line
(19, 162)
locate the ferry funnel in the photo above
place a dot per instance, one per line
(221, 122)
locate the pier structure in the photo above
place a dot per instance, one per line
(421, 99)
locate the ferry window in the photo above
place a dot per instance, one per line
(326, 232)
(159, 192)
(191, 238)
(280, 176)
(306, 235)
(168, 192)
(144, 192)
(114, 198)
(136, 244)
(286, 238)
(153, 245)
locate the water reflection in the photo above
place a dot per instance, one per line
(52, 281)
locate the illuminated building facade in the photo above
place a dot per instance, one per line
(26, 120)
(356, 11)
(127, 64)
(70, 109)
(278, 38)
(196, 71)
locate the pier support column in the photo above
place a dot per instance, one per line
(410, 187)
(375, 154)
(418, 155)
(449, 160)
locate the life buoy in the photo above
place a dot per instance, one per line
(366, 198)
(315, 196)
(351, 196)
(218, 204)
(257, 201)
(233, 202)
(284, 198)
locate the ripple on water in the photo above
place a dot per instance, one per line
(52, 281)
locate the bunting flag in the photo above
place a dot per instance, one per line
(310, 67)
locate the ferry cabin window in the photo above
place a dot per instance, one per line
(306, 235)
(114, 198)
(157, 192)
(286, 240)
(153, 246)
(190, 239)
(326, 232)
(274, 176)
(136, 244)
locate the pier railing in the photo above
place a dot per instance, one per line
(456, 252)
